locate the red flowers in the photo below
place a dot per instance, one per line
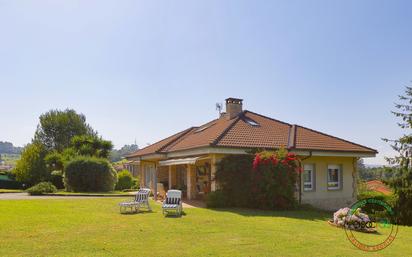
(275, 177)
(290, 160)
(256, 161)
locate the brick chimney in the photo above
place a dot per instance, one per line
(233, 107)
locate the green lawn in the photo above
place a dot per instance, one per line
(61, 192)
(94, 227)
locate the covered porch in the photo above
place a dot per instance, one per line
(194, 175)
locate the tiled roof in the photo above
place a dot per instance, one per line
(251, 130)
(204, 135)
(269, 133)
(158, 146)
(315, 140)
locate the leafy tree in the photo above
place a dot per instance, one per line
(57, 128)
(361, 164)
(54, 160)
(402, 183)
(31, 168)
(91, 146)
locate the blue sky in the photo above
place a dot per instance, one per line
(142, 70)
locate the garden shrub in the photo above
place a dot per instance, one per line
(10, 184)
(89, 174)
(125, 180)
(42, 188)
(274, 179)
(57, 179)
(216, 199)
(136, 183)
(266, 180)
(374, 208)
(233, 176)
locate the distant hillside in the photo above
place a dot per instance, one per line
(117, 155)
(9, 148)
(374, 165)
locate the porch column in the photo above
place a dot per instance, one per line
(141, 175)
(189, 181)
(170, 177)
(155, 182)
(213, 173)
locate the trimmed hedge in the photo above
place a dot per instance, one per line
(216, 199)
(42, 188)
(125, 180)
(234, 176)
(10, 184)
(8, 181)
(89, 174)
(56, 178)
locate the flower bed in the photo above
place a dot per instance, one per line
(355, 220)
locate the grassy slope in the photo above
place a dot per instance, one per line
(94, 227)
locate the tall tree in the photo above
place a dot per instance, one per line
(57, 128)
(402, 183)
(31, 168)
(92, 146)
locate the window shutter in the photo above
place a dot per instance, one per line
(341, 177)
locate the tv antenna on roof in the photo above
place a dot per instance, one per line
(219, 107)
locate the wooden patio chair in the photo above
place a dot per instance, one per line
(173, 203)
(141, 200)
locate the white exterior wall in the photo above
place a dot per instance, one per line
(326, 199)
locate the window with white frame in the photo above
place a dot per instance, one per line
(334, 177)
(308, 177)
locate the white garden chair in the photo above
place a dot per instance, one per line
(141, 200)
(173, 202)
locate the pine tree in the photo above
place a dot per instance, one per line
(402, 183)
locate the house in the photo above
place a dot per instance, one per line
(187, 160)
